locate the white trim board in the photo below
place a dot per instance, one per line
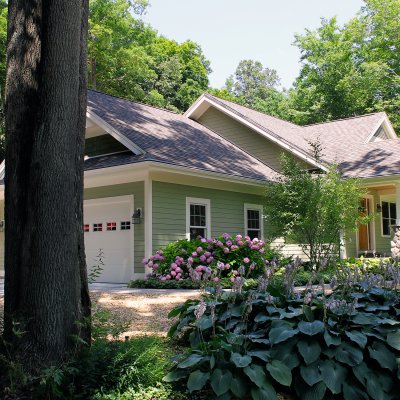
(203, 202)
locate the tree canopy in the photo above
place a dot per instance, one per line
(130, 59)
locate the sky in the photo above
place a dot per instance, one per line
(230, 30)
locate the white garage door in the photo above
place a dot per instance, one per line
(107, 227)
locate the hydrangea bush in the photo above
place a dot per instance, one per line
(203, 258)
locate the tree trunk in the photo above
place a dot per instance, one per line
(46, 290)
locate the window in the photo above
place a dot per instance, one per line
(125, 225)
(86, 228)
(388, 217)
(197, 218)
(253, 220)
(111, 226)
(98, 227)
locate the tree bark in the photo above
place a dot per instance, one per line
(46, 290)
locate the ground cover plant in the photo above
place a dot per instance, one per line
(251, 344)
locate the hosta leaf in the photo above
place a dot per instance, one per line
(374, 388)
(261, 317)
(263, 341)
(280, 334)
(361, 371)
(308, 313)
(316, 392)
(364, 319)
(197, 380)
(175, 375)
(388, 321)
(348, 354)
(212, 361)
(310, 374)
(192, 360)
(239, 387)
(393, 340)
(310, 351)
(240, 361)
(266, 392)
(221, 381)
(261, 354)
(379, 352)
(311, 328)
(256, 374)
(280, 372)
(333, 374)
(352, 392)
(331, 340)
(357, 337)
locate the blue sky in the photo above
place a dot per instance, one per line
(230, 30)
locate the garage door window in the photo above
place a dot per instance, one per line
(86, 228)
(98, 227)
(197, 218)
(125, 225)
(111, 226)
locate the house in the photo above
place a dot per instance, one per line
(153, 176)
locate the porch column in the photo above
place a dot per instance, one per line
(398, 204)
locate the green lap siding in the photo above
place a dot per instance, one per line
(137, 190)
(169, 210)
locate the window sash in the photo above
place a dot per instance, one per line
(388, 216)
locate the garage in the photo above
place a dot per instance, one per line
(108, 229)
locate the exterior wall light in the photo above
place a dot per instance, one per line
(378, 208)
(137, 216)
(2, 224)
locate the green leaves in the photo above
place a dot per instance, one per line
(310, 351)
(240, 361)
(190, 361)
(197, 380)
(393, 339)
(221, 381)
(282, 333)
(280, 372)
(357, 337)
(348, 354)
(333, 375)
(256, 374)
(383, 355)
(311, 328)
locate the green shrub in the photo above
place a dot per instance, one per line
(342, 345)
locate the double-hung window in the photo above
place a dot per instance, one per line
(197, 218)
(388, 216)
(253, 220)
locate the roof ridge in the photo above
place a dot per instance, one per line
(344, 119)
(267, 130)
(253, 109)
(134, 101)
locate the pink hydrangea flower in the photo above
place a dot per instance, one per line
(178, 277)
(262, 251)
(144, 261)
(225, 235)
(207, 254)
(234, 272)
(210, 260)
(155, 266)
(203, 240)
(233, 280)
(239, 237)
(226, 250)
(216, 279)
(173, 266)
(227, 266)
(194, 254)
(246, 260)
(163, 278)
(199, 249)
(178, 270)
(150, 264)
(240, 243)
(234, 247)
(168, 277)
(229, 243)
(203, 258)
(173, 273)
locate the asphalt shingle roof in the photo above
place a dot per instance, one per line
(173, 139)
(343, 141)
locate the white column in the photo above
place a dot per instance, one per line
(398, 204)
(148, 219)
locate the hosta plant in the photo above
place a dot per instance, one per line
(315, 345)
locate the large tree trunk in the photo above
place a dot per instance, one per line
(46, 291)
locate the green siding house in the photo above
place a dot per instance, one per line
(153, 176)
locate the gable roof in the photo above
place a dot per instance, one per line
(169, 138)
(345, 142)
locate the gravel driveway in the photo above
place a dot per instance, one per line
(144, 311)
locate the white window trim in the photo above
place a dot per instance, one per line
(388, 199)
(202, 202)
(257, 207)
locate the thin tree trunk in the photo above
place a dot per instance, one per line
(46, 293)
